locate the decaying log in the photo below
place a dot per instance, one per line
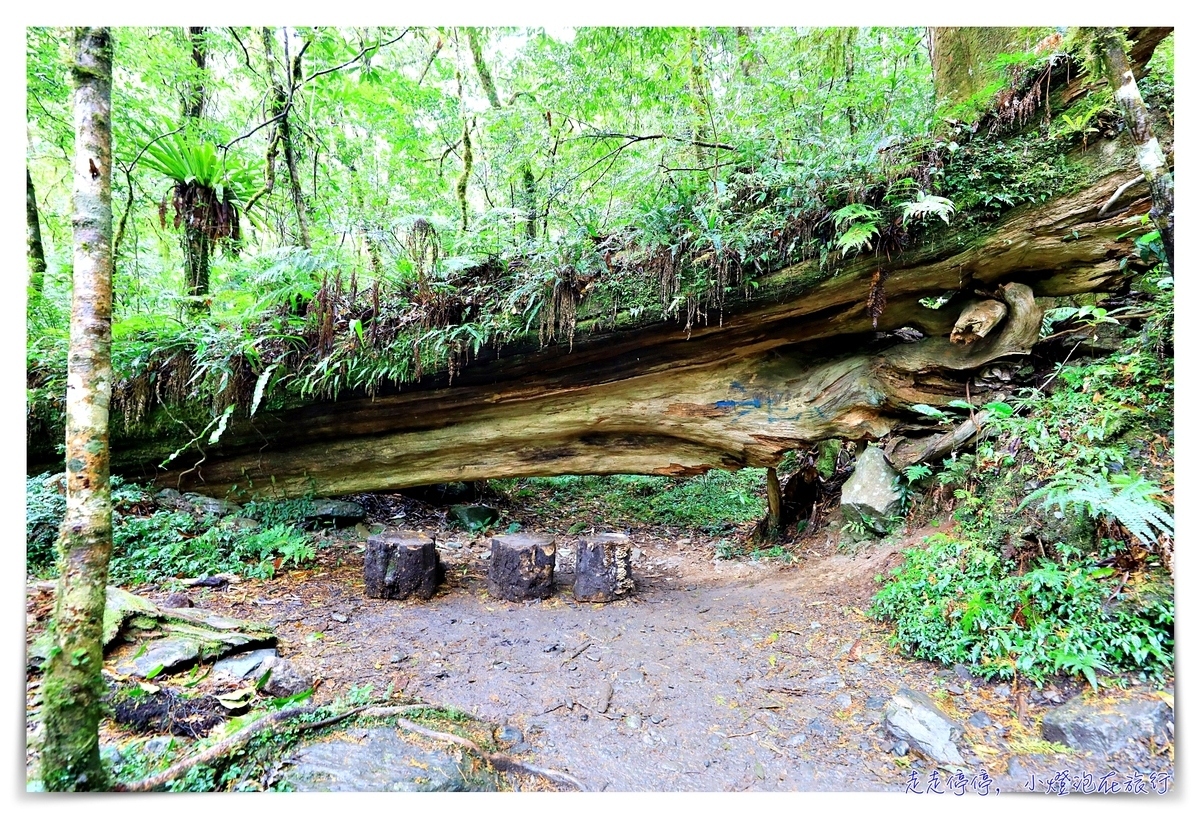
(399, 564)
(522, 567)
(935, 447)
(603, 568)
(777, 373)
(979, 318)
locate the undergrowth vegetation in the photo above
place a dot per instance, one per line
(714, 502)
(1062, 561)
(156, 544)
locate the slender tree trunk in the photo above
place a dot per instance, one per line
(73, 687)
(698, 96)
(33, 237)
(528, 184)
(197, 248)
(1110, 45)
(289, 148)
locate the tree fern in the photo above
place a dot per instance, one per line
(1128, 499)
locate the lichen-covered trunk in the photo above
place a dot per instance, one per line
(73, 687)
(33, 238)
(197, 253)
(1111, 47)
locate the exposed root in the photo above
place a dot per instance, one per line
(500, 761)
(239, 739)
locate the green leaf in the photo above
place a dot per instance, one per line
(221, 424)
(930, 411)
(260, 388)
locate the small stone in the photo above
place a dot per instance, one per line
(819, 727)
(876, 702)
(842, 701)
(963, 672)
(397, 658)
(647, 739)
(178, 600)
(1002, 691)
(158, 745)
(916, 718)
(900, 748)
(634, 721)
(327, 513)
(285, 679)
(656, 719)
(980, 719)
(797, 740)
(1016, 769)
(954, 689)
(337, 617)
(509, 734)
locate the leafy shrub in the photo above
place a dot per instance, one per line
(166, 543)
(955, 601)
(711, 501)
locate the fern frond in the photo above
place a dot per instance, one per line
(1128, 499)
(857, 236)
(925, 205)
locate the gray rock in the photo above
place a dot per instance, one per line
(876, 702)
(1002, 691)
(1107, 725)
(285, 679)
(163, 655)
(240, 524)
(172, 499)
(178, 600)
(509, 734)
(212, 505)
(241, 665)
(916, 718)
(820, 727)
(381, 761)
(797, 740)
(900, 748)
(870, 495)
(980, 719)
(474, 518)
(326, 513)
(634, 721)
(842, 701)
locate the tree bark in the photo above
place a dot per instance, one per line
(73, 687)
(197, 245)
(33, 239)
(1110, 45)
(528, 184)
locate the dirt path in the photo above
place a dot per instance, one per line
(716, 675)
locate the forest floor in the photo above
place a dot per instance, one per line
(715, 675)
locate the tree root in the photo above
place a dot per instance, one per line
(500, 761)
(242, 737)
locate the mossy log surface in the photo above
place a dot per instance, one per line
(799, 365)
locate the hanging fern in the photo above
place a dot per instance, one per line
(1128, 499)
(925, 205)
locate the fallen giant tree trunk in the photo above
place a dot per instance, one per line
(771, 378)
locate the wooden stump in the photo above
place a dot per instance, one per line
(603, 568)
(522, 567)
(399, 564)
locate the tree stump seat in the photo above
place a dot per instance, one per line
(400, 564)
(521, 567)
(603, 568)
